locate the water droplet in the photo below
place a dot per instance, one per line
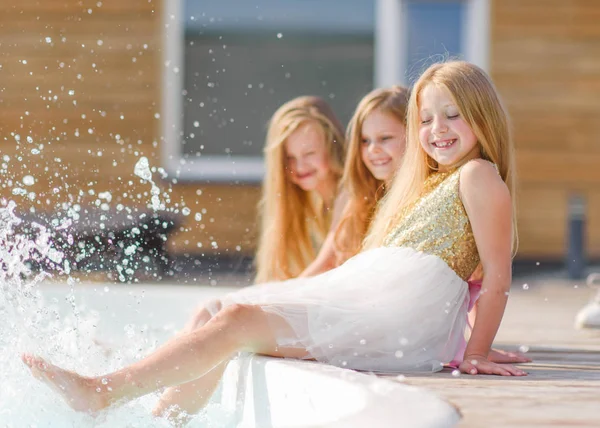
(456, 373)
(525, 286)
(130, 250)
(19, 191)
(524, 349)
(279, 35)
(399, 354)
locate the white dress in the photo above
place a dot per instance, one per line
(401, 307)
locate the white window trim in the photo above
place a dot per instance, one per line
(234, 169)
(391, 38)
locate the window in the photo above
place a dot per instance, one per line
(420, 32)
(433, 33)
(230, 65)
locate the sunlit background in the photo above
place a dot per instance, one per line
(88, 88)
(131, 136)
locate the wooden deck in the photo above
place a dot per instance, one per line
(563, 385)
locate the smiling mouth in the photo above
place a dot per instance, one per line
(380, 162)
(444, 144)
(304, 176)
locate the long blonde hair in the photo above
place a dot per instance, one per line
(364, 190)
(480, 106)
(290, 216)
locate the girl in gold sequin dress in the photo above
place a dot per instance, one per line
(400, 304)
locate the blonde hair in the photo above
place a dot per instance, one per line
(364, 190)
(290, 216)
(480, 106)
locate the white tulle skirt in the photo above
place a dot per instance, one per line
(385, 310)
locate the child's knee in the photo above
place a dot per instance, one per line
(243, 316)
(203, 314)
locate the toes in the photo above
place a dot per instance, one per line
(26, 358)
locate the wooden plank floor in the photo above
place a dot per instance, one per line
(563, 385)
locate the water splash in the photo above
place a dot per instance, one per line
(142, 170)
(65, 336)
(64, 330)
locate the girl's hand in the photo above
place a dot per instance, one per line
(478, 364)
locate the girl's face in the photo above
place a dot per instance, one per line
(307, 158)
(383, 141)
(443, 133)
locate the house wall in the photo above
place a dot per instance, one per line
(545, 60)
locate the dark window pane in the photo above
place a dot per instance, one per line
(434, 33)
(237, 75)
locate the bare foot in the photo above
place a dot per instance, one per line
(499, 356)
(79, 392)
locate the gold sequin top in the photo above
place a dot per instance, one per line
(437, 224)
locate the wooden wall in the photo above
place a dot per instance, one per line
(545, 58)
(82, 79)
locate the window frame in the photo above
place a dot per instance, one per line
(390, 36)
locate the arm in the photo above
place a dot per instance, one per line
(488, 204)
(498, 355)
(326, 259)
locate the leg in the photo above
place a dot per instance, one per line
(182, 359)
(177, 402)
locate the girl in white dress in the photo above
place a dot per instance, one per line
(400, 304)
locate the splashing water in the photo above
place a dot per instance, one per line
(142, 170)
(64, 331)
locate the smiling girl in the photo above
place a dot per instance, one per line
(304, 156)
(400, 305)
(376, 139)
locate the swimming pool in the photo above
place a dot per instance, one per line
(99, 327)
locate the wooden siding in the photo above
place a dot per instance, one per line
(545, 60)
(89, 99)
(102, 62)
